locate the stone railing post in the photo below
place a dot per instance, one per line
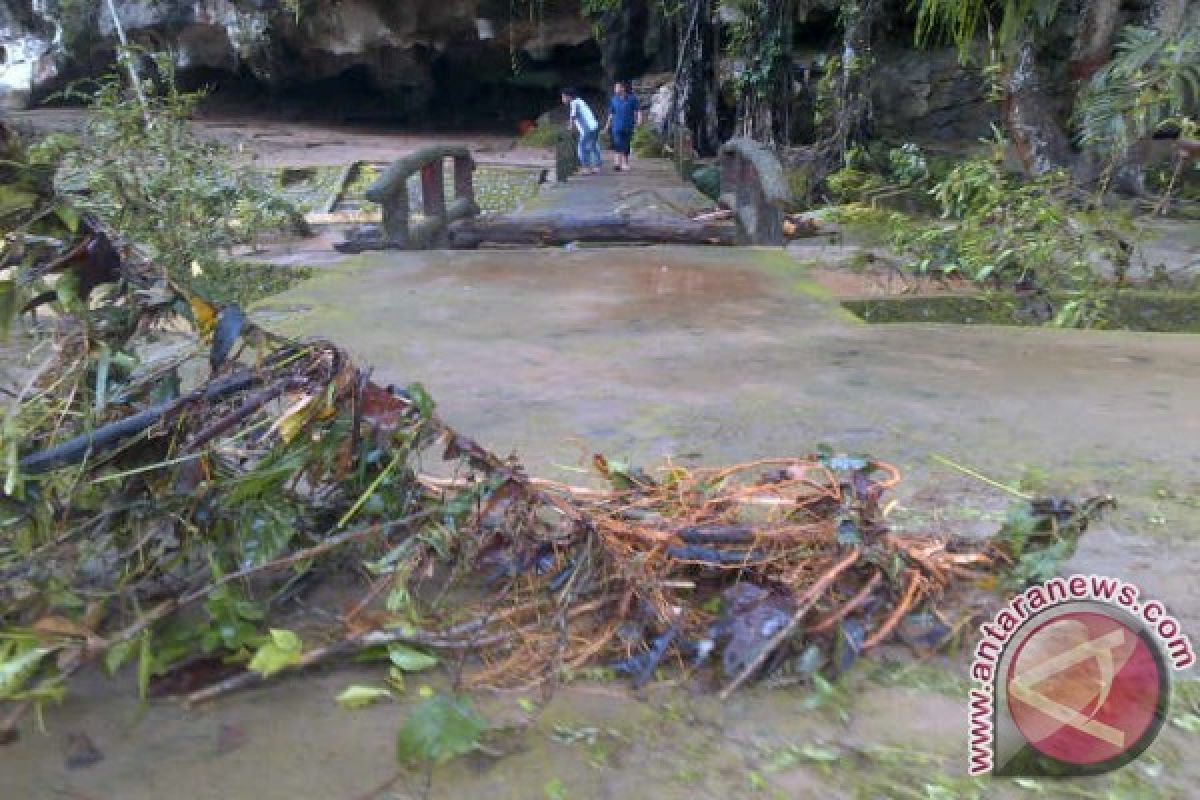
(754, 187)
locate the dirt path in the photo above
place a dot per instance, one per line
(301, 144)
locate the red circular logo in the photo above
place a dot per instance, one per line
(1085, 688)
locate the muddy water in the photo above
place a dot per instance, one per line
(707, 356)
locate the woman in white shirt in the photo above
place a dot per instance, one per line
(584, 121)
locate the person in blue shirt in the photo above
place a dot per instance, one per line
(584, 121)
(623, 116)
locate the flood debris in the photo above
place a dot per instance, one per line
(166, 494)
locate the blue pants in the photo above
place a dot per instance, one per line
(622, 138)
(589, 149)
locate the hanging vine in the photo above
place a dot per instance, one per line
(759, 35)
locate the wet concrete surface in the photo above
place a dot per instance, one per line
(732, 354)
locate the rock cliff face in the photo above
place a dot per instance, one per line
(408, 50)
(456, 62)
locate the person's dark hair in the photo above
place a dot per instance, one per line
(569, 92)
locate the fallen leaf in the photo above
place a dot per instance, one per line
(281, 650)
(355, 697)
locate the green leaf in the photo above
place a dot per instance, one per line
(13, 199)
(438, 730)
(69, 217)
(410, 660)
(355, 697)
(117, 656)
(18, 669)
(421, 399)
(281, 650)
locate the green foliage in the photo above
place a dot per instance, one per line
(907, 164)
(756, 43)
(281, 650)
(408, 659)
(961, 21)
(708, 180)
(850, 184)
(593, 8)
(17, 665)
(232, 621)
(826, 99)
(147, 174)
(438, 730)
(355, 697)
(999, 229)
(1037, 543)
(1153, 79)
(995, 229)
(545, 136)
(647, 143)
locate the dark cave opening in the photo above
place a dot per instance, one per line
(464, 87)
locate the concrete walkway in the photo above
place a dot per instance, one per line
(652, 186)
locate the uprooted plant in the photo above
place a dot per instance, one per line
(1026, 238)
(144, 171)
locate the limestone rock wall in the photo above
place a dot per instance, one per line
(396, 44)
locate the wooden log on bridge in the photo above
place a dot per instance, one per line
(555, 228)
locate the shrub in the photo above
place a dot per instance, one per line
(647, 143)
(146, 174)
(545, 136)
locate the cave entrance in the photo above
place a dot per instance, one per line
(488, 89)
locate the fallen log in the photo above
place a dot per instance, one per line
(561, 228)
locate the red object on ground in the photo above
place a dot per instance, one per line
(525, 126)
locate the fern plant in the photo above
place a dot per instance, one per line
(960, 21)
(1154, 80)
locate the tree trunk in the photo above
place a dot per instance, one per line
(1094, 35)
(852, 118)
(764, 108)
(698, 81)
(694, 100)
(1037, 136)
(558, 228)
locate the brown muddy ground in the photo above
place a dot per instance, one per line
(302, 144)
